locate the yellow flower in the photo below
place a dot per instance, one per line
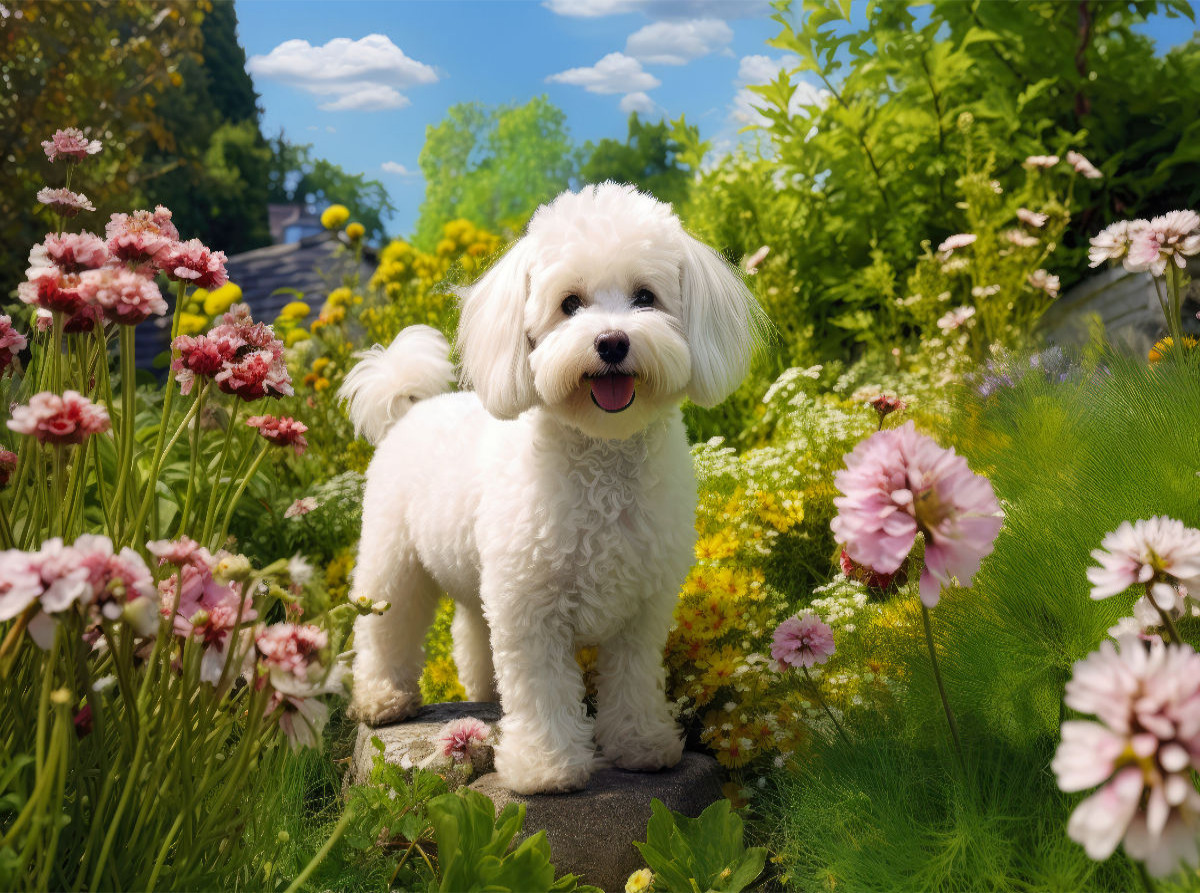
(295, 336)
(321, 384)
(714, 547)
(221, 299)
(446, 247)
(294, 310)
(319, 364)
(310, 379)
(1163, 347)
(339, 296)
(195, 301)
(720, 667)
(335, 216)
(191, 323)
(639, 881)
(355, 231)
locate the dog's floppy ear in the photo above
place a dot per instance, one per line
(723, 322)
(492, 342)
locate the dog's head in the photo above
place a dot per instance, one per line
(606, 313)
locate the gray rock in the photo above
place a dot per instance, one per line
(591, 832)
(414, 741)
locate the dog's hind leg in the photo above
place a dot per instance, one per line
(473, 652)
(389, 652)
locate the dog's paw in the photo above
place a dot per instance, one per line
(646, 753)
(522, 775)
(377, 704)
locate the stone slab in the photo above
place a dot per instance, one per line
(591, 832)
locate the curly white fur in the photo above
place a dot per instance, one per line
(551, 522)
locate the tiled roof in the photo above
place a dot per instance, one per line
(313, 266)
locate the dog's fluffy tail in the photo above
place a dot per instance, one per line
(387, 381)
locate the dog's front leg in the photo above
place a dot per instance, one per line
(634, 725)
(545, 734)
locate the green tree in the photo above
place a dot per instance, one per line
(99, 66)
(295, 176)
(493, 167)
(650, 158)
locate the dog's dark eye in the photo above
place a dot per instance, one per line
(643, 297)
(571, 305)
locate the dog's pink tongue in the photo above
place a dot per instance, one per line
(612, 393)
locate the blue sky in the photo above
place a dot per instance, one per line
(362, 80)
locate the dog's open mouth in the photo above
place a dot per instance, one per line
(612, 392)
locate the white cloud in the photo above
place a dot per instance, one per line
(677, 43)
(395, 167)
(360, 74)
(757, 70)
(638, 102)
(615, 73)
(669, 10)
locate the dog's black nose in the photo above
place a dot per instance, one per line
(612, 346)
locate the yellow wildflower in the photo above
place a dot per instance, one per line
(335, 216)
(191, 323)
(295, 336)
(355, 231)
(321, 384)
(640, 881)
(446, 247)
(319, 364)
(1163, 347)
(714, 547)
(339, 297)
(294, 310)
(221, 299)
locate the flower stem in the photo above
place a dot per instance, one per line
(338, 831)
(214, 493)
(937, 675)
(238, 493)
(820, 700)
(1172, 630)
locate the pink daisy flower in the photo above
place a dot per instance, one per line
(52, 290)
(1160, 553)
(1142, 751)
(70, 142)
(802, 642)
(181, 552)
(897, 483)
(955, 318)
(1021, 239)
(284, 431)
(1041, 161)
(301, 507)
(12, 343)
(126, 297)
(959, 240)
(140, 237)
(193, 263)
(1045, 281)
(291, 648)
(54, 419)
(1113, 242)
(460, 736)
(874, 580)
(1032, 218)
(64, 201)
(1083, 166)
(1166, 239)
(885, 404)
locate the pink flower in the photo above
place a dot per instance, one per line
(460, 736)
(70, 143)
(1161, 554)
(302, 721)
(1032, 218)
(54, 419)
(959, 240)
(245, 358)
(82, 320)
(1113, 242)
(802, 642)
(955, 318)
(1143, 750)
(284, 431)
(140, 237)
(256, 374)
(1169, 238)
(125, 297)
(8, 462)
(898, 482)
(885, 404)
(52, 290)
(74, 252)
(193, 263)
(1048, 283)
(1042, 161)
(852, 570)
(208, 611)
(12, 343)
(20, 582)
(756, 258)
(64, 201)
(1083, 166)
(291, 648)
(1021, 239)
(181, 552)
(301, 507)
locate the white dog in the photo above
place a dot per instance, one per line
(555, 504)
